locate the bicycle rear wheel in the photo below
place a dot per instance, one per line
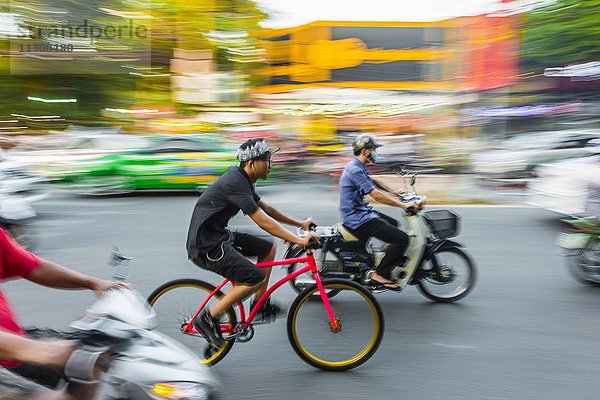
(176, 302)
(359, 332)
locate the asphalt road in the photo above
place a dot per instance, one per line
(527, 331)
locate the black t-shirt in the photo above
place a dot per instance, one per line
(229, 194)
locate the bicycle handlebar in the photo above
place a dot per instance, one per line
(313, 244)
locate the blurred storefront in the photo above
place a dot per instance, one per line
(393, 77)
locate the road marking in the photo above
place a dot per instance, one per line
(483, 205)
(453, 346)
(61, 224)
(84, 204)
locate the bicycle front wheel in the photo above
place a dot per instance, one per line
(176, 302)
(358, 333)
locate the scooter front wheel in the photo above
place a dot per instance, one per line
(452, 279)
(584, 263)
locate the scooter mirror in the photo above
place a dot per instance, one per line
(413, 179)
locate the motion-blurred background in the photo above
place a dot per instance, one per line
(104, 97)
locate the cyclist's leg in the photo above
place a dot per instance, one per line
(253, 246)
(231, 264)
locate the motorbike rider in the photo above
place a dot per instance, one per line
(211, 246)
(362, 220)
(29, 367)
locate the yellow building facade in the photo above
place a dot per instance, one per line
(375, 55)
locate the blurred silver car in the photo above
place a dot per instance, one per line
(567, 187)
(516, 157)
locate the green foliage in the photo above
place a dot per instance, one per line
(172, 23)
(567, 31)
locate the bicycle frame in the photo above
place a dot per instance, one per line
(312, 266)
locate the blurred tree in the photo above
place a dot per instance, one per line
(566, 31)
(220, 25)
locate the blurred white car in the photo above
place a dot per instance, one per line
(19, 182)
(518, 156)
(567, 187)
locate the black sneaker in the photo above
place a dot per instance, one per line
(269, 311)
(210, 328)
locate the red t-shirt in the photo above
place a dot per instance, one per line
(15, 262)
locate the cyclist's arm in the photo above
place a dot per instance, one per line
(269, 224)
(50, 353)
(388, 200)
(56, 276)
(278, 215)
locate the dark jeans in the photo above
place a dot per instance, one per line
(386, 229)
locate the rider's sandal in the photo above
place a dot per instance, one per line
(385, 285)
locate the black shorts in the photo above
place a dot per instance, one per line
(229, 258)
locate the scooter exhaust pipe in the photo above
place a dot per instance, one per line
(342, 275)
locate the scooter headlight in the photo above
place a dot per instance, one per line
(179, 390)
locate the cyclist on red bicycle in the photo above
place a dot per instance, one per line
(211, 246)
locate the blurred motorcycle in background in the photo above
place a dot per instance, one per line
(20, 188)
(16, 216)
(582, 244)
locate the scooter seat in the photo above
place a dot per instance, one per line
(346, 233)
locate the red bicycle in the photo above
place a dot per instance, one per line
(331, 334)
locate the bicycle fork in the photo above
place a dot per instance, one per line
(334, 323)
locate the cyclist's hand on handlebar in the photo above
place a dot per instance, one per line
(411, 205)
(101, 286)
(307, 223)
(306, 240)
